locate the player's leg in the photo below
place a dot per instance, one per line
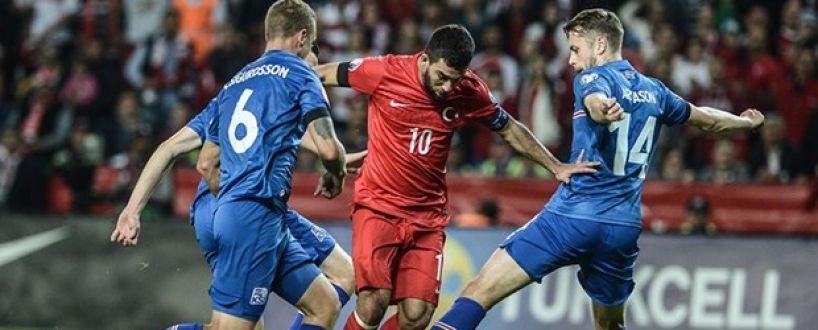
(545, 244)
(417, 281)
(299, 282)
(376, 243)
(323, 251)
(607, 277)
(251, 239)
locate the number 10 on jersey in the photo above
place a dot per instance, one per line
(421, 140)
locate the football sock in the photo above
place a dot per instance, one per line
(310, 327)
(465, 314)
(391, 323)
(355, 323)
(187, 326)
(343, 298)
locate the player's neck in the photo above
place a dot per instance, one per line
(608, 58)
(280, 44)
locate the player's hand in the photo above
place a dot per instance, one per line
(354, 161)
(613, 111)
(329, 186)
(565, 171)
(127, 228)
(755, 116)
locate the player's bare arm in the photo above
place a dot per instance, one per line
(328, 73)
(718, 121)
(523, 141)
(602, 109)
(354, 160)
(208, 165)
(127, 226)
(331, 152)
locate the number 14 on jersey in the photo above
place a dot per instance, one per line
(639, 152)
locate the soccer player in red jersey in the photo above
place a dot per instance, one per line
(399, 209)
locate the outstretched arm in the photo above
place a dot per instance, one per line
(328, 73)
(718, 121)
(127, 227)
(523, 141)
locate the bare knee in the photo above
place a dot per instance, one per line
(415, 314)
(372, 305)
(320, 303)
(338, 269)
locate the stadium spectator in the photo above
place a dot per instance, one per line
(494, 58)
(198, 20)
(775, 159)
(697, 220)
(725, 168)
(673, 167)
(691, 70)
(502, 162)
(486, 215)
(535, 106)
(11, 154)
(763, 72)
(143, 18)
(797, 97)
(335, 16)
(77, 162)
(721, 93)
(229, 55)
(376, 31)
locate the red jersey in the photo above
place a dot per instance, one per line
(404, 173)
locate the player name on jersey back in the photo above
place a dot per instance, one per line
(267, 69)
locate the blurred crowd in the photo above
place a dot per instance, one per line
(90, 87)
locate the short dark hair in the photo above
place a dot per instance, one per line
(286, 17)
(600, 21)
(453, 43)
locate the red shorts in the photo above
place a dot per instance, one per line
(397, 254)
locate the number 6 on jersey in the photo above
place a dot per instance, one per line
(246, 118)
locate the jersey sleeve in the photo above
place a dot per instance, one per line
(482, 106)
(313, 99)
(213, 128)
(587, 83)
(365, 74)
(201, 123)
(675, 110)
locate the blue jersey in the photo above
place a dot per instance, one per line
(262, 115)
(625, 148)
(200, 124)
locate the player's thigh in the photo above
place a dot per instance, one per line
(338, 269)
(420, 267)
(201, 217)
(550, 241)
(316, 242)
(319, 303)
(294, 274)
(607, 277)
(499, 277)
(376, 243)
(250, 241)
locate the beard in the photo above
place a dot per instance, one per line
(427, 86)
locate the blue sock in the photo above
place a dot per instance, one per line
(343, 297)
(310, 327)
(299, 318)
(187, 326)
(465, 314)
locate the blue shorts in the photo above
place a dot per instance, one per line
(255, 254)
(201, 218)
(316, 241)
(605, 253)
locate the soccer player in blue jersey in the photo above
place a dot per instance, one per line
(261, 116)
(595, 220)
(320, 247)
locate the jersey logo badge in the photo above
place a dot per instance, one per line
(586, 79)
(259, 297)
(319, 233)
(395, 104)
(449, 114)
(355, 64)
